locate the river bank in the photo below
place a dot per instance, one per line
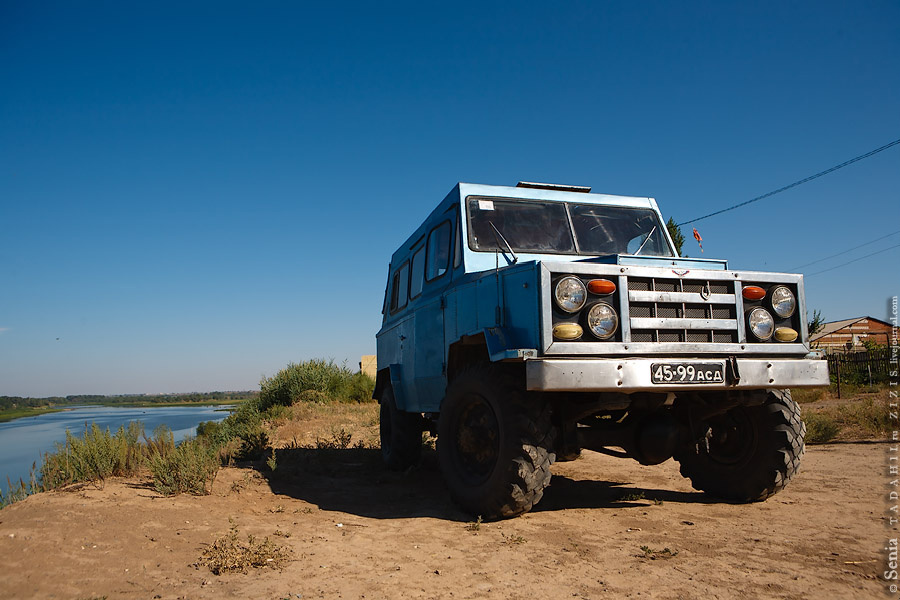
(25, 440)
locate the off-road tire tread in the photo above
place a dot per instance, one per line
(532, 435)
(774, 466)
(406, 434)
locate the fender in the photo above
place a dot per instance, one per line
(499, 346)
(390, 377)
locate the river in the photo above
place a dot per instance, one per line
(23, 441)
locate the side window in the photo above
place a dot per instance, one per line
(399, 288)
(438, 251)
(457, 245)
(417, 275)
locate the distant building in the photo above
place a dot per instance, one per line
(849, 334)
(368, 365)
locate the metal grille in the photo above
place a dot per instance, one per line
(696, 311)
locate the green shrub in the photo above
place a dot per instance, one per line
(207, 428)
(360, 387)
(190, 468)
(314, 380)
(820, 429)
(94, 457)
(279, 412)
(240, 436)
(253, 445)
(161, 443)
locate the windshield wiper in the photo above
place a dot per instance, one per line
(644, 243)
(499, 237)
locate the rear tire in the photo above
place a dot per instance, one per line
(495, 442)
(400, 432)
(748, 453)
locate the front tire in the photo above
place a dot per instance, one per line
(748, 453)
(494, 442)
(400, 433)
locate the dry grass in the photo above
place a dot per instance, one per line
(863, 414)
(306, 425)
(807, 395)
(665, 553)
(228, 554)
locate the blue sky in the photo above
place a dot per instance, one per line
(193, 195)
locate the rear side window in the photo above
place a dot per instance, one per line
(417, 275)
(399, 286)
(438, 251)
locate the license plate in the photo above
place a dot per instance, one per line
(687, 372)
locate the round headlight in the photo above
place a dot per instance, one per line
(761, 323)
(570, 294)
(602, 320)
(783, 302)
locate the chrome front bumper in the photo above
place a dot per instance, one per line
(633, 374)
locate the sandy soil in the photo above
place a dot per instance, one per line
(353, 530)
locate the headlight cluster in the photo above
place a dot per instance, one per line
(760, 322)
(571, 296)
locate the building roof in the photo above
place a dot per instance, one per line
(834, 326)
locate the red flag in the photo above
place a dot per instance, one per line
(698, 238)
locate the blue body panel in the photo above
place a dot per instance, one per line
(482, 293)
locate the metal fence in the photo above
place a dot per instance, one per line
(861, 368)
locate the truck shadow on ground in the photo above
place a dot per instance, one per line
(355, 481)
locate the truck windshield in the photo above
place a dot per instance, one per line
(544, 228)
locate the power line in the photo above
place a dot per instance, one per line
(796, 183)
(846, 251)
(854, 260)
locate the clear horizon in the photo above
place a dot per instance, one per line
(193, 197)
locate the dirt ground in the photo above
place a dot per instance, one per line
(606, 528)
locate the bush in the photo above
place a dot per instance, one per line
(190, 468)
(94, 457)
(360, 387)
(253, 445)
(314, 380)
(207, 428)
(820, 429)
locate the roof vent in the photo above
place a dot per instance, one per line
(556, 187)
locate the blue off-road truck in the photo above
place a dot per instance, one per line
(524, 324)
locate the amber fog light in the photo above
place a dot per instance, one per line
(753, 292)
(567, 331)
(601, 287)
(785, 334)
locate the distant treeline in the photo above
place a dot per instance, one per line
(13, 402)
